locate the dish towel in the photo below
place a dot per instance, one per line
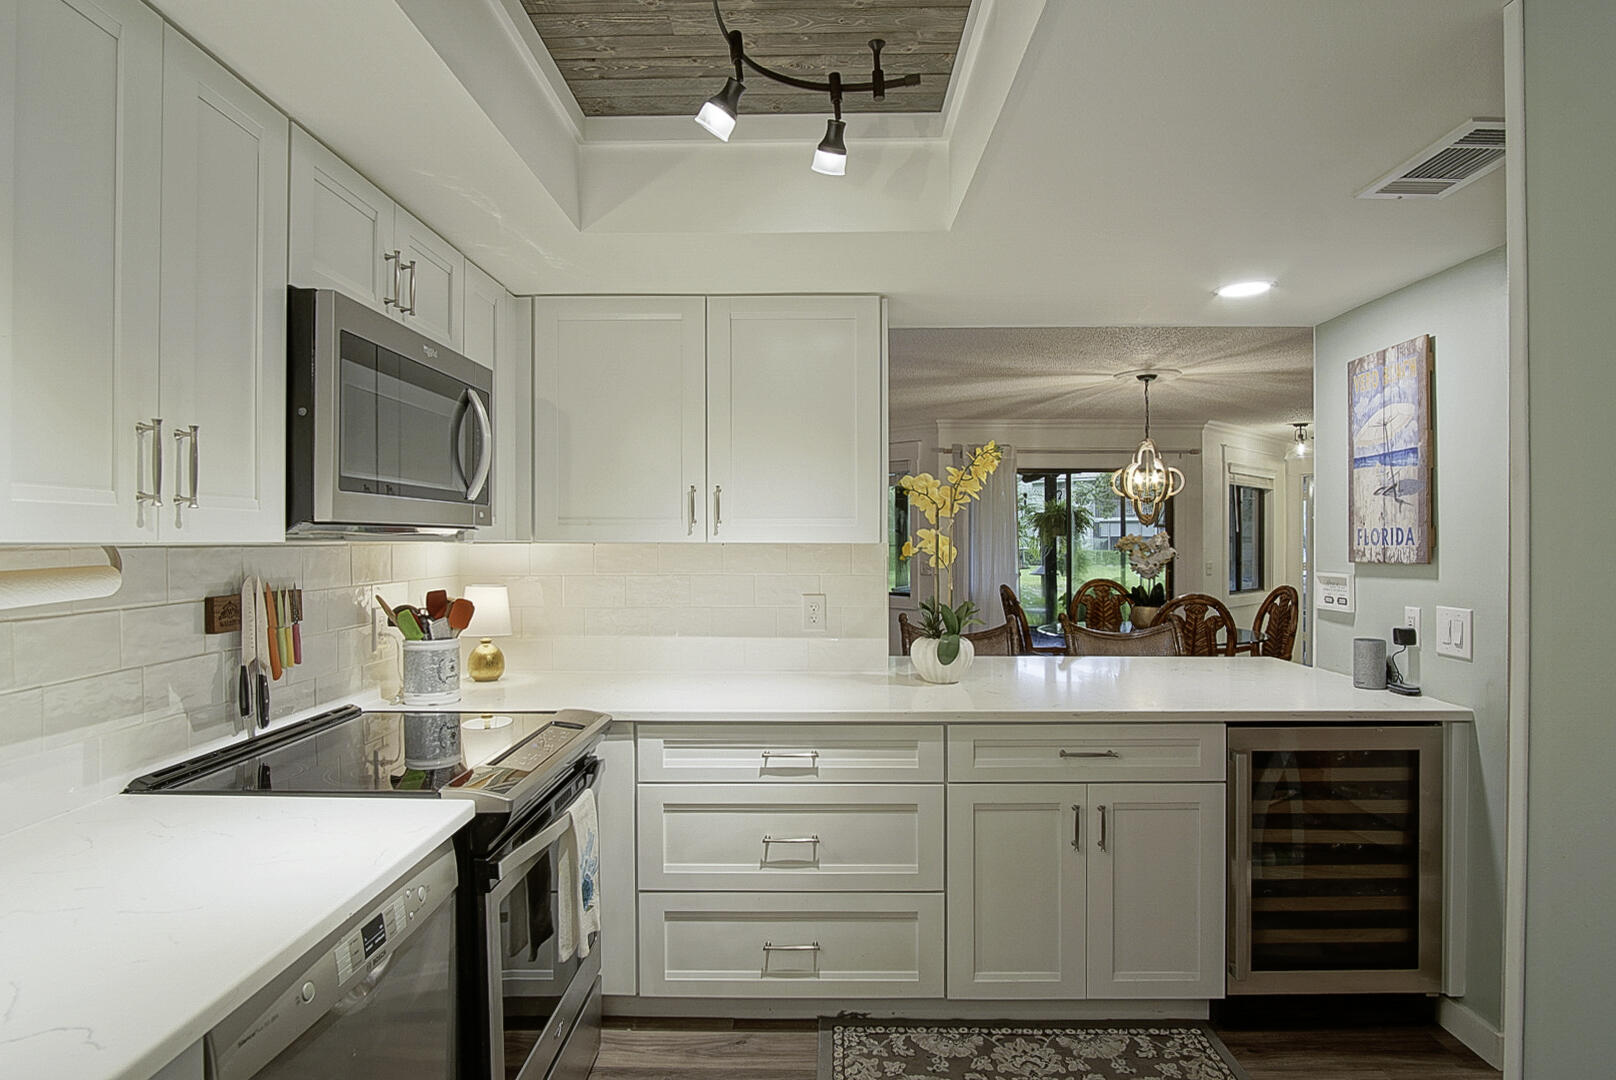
(578, 879)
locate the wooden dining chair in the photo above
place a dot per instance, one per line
(1202, 619)
(1274, 628)
(1097, 604)
(1164, 639)
(1015, 615)
(999, 641)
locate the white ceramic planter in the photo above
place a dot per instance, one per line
(923, 654)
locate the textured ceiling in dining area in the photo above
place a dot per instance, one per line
(665, 57)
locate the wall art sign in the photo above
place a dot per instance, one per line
(1391, 450)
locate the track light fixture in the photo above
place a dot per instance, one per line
(1299, 449)
(718, 115)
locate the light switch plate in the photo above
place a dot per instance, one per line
(1455, 629)
(1335, 593)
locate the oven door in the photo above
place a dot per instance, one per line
(537, 1002)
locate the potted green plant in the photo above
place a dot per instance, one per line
(941, 654)
(1148, 556)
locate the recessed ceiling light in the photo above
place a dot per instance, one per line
(1240, 289)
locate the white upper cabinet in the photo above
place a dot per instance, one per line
(1156, 894)
(80, 174)
(498, 332)
(432, 281)
(341, 228)
(347, 235)
(223, 310)
(795, 418)
(619, 418)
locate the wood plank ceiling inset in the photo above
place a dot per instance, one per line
(666, 57)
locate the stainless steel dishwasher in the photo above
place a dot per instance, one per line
(377, 998)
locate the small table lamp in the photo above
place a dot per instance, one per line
(491, 618)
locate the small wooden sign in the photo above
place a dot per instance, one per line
(221, 614)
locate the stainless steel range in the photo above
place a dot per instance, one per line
(524, 1012)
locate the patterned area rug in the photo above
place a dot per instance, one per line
(1021, 1050)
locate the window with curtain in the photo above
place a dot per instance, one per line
(1068, 522)
(1246, 540)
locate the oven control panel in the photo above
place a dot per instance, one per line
(347, 967)
(510, 769)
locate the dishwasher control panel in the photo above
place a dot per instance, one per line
(339, 972)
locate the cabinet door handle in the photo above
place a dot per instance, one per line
(155, 430)
(769, 946)
(1102, 829)
(767, 754)
(180, 438)
(1088, 753)
(690, 527)
(392, 259)
(814, 839)
(718, 507)
(402, 310)
(1077, 827)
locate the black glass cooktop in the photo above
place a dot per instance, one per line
(408, 753)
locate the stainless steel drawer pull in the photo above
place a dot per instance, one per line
(767, 754)
(1102, 828)
(155, 430)
(1088, 753)
(690, 528)
(718, 506)
(769, 946)
(767, 840)
(1077, 827)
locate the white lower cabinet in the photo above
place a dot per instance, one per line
(1156, 891)
(778, 945)
(1016, 891)
(1100, 891)
(615, 799)
(823, 837)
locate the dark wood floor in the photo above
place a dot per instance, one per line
(765, 1050)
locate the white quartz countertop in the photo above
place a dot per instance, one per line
(996, 688)
(132, 926)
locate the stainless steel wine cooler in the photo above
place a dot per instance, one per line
(1335, 860)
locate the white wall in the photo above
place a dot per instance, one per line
(1570, 92)
(1225, 448)
(1464, 308)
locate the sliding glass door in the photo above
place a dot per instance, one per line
(1067, 523)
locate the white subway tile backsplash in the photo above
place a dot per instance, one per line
(724, 590)
(869, 559)
(660, 590)
(627, 558)
(68, 647)
(782, 590)
(105, 702)
(818, 558)
(191, 685)
(326, 567)
(748, 622)
(754, 558)
(153, 635)
(409, 561)
(7, 677)
(480, 561)
(549, 621)
(145, 580)
(22, 721)
(691, 558)
(537, 591)
(275, 565)
(595, 590)
(842, 589)
(372, 563)
(562, 558)
(133, 748)
(622, 622)
(197, 572)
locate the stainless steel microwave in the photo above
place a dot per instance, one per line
(388, 431)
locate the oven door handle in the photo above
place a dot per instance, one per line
(529, 851)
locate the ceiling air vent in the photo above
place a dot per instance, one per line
(1468, 152)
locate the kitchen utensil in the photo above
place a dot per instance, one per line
(274, 634)
(392, 619)
(441, 629)
(460, 613)
(405, 619)
(437, 604)
(249, 646)
(285, 622)
(297, 638)
(260, 633)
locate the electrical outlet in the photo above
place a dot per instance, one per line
(813, 612)
(1455, 628)
(1411, 618)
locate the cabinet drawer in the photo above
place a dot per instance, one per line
(1085, 752)
(791, 753)
(772, 945)
(805, 837)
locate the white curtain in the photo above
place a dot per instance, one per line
(990, 555)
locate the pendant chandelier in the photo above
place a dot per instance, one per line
(1147, 481)
(1299, 449)
(720, 112)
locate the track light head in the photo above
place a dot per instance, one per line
(720, 111)
(830, 157)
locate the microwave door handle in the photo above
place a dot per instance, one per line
(474, 487)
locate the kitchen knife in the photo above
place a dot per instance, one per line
(260, 632)
(296, 600)
(249, 647)
(273, 634)
(283, 612)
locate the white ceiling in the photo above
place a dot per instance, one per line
(1145, 153)
(1260, 377)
